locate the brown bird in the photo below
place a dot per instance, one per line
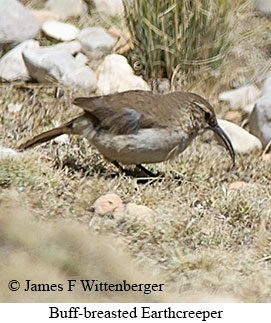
(136, 127)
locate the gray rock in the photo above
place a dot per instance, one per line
(16, 24)
(67, 8)
(240, 97)
(242, 141)
(116, 75)
(263, 6)
(48, 65)
(12, 66)
(266, 87)
(96, 42)
(59, 30)
(109, 7)
(260, 119)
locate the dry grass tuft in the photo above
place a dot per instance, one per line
(178, 34)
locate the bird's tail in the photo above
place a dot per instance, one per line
(48, 135)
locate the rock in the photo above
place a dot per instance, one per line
(233, 116)
(116, 75)
(108, 204)
(16, 23)
(109, 7)
(263, 6)
(249, 108)
(72, 47)
(142, 211)
(260, 119)
(62, 139)
(96, 42)
(44, 15)
(14, 107)
(60, 31)
(242, 141)
(45, 65)
(240, 97)
(266, 87)
(12, 66)
(67, 8)
(7, 152)
(81, 58)
(238, 185)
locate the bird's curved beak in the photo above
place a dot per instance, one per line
(226, 141)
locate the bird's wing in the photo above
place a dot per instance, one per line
(120, 113)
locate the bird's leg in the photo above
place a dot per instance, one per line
(114, 162)
(146, 171)
(125, 171)
(131, 173)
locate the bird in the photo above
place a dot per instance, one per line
(138, 127)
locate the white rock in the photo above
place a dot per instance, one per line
(45, 65)
(67, 8)
(7, 152)
(109, 7)
(116, 75)
(242, 141)
(44, 15)
(240, 97)
(96, 42)
(14, 107)
(81, 58)
(71, 47)
(16, 23)
(59, 30)
(62, 139)
(263, 6)
(12, 66)
(260, 119)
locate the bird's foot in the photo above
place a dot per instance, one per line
(139, 172)
(146, 171)
(143, 175)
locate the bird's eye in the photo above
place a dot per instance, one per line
(207, 115)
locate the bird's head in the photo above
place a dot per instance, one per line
(205, 119)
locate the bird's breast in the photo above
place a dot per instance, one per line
(146, 146)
